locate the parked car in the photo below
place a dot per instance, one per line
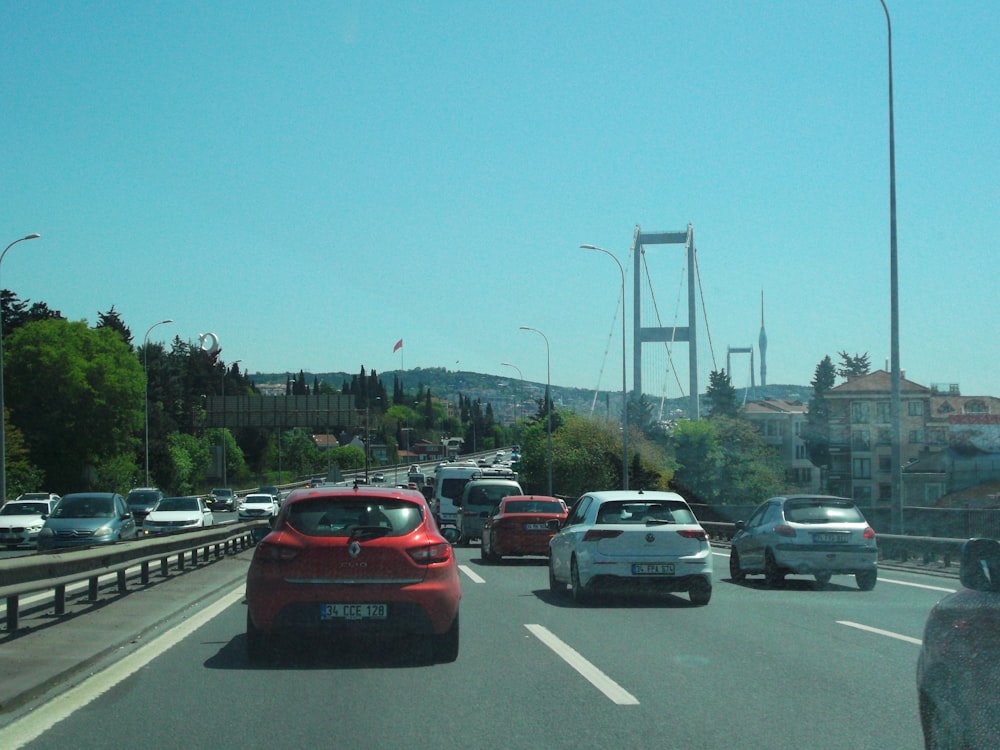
(87, 518)
(22, 520)
(257, 506)
(374, 561)
(479, 498)
(817, 535)
(223, 498)
(177, 514)
(141, 500)
(520, 526)
(631, 540)
(957, 667)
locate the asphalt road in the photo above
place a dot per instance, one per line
(794, 668)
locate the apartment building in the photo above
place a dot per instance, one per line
(780, 423)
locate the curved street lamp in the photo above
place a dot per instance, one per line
(624, 391)
(145, 370)
(548, 396)
(3, 426)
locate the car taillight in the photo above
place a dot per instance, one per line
(270, 552)
(431, 553)
(699, 534)
(784, 530)
(869, 533)
(596, 535)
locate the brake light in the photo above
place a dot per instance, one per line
(699, 534)
(784, 530)
(869, 533)
(596, 535)
(270, 552)
(431, 553)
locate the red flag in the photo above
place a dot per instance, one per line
(398, 346)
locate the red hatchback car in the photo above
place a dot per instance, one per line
(344, 560)
(519, 526)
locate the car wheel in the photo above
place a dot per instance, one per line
(700, 592)
(487, 549)
(445, 646)
(579, 592)
(822, 579)
(554, 583)
(866, 579)
(773, 575)
(258, 645)
(736, 573)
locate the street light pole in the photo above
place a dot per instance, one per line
(225, 413)
(548, 397)
(624, 391)
(520, 391)
(3, 426)
(895, 400)
(145, 370)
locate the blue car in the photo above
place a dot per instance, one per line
(85, 519)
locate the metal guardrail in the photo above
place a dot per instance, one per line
(925, 549)
(56, 570)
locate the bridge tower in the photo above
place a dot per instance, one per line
(654, 334)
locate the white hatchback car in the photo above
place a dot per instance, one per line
(631, 540)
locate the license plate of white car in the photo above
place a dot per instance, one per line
(353, 611)
(830, 538)
(652, 569)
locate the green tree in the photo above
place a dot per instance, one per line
(22, 474)
(721, 395)
(189, 462)
(640, 413)
(816, 430)
(853, 365)
(77, 395)
(699, 457)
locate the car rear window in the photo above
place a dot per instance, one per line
(489, 495)
(532, 506)
(628, 511)
(341, 518)
(822, 511)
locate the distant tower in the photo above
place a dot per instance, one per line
(762, 344)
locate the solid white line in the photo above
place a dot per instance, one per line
(917, 585)
(879, 631)
(592, 674)
(21, 732)
(476, 578)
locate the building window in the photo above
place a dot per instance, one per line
(884, 436)
(860, 440)
(936, 436)
(861, 468)
(882, 412)
(863, 494)
(915, 408)
(884, 464)
(916, 436)
(860, 412)
(885, 492)
(803, 476)
(797, 428)
(975, 407)
(800, 452)
(772, 428)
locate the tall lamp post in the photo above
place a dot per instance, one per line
(624, 391)
(548, 396)
(520, 391)
(145, 370)
(3, 426)
(224, 415)
(895, 400)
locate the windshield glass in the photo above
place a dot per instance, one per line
(342, 517)
(84, 507)
(177, 503)
(24, 509)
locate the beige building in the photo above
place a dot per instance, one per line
(780, 423)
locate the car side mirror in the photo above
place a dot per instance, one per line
(740, 525)
(554, 524)
(980, 566)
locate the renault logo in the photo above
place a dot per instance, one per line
(354, 549)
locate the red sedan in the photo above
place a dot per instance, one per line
(520, 526)
(353, 560)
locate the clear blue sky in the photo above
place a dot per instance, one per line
(314, 181)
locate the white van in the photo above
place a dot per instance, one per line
(450, 481)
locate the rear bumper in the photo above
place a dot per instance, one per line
(825, 559)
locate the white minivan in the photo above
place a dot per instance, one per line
(450, 481)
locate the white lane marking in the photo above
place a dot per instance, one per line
(476, 578)
(21, 732)
(917, 585)
(592, 674)
(879, 631)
